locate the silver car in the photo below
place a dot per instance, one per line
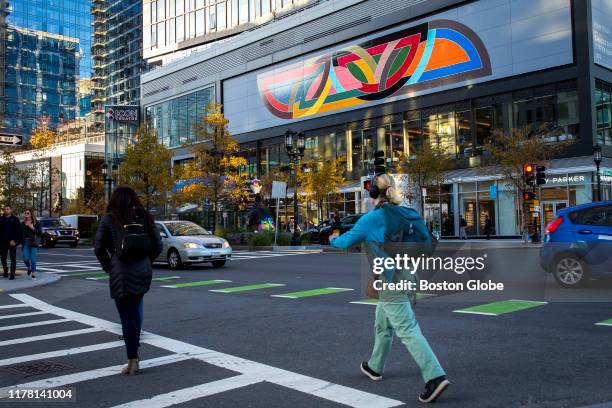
(187, 243)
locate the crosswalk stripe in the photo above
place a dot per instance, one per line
(309, 385)
(70, 379)
(247, 288)
(13, 316)
(166, 278)
(13, 306)
(311, 292)
(501, 307)
(81, 273)
(60, 353)
(191, 393)
(196, 283)
(33, 324)
(49, 336)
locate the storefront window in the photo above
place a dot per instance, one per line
(484, 126)
(486, 207)
(415, 138)
(397, 141)
(357, 147)
(464, 133)
(467, 207)
(603, 105)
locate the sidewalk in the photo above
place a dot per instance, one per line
(22, 281)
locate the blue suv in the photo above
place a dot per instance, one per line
(578, 244)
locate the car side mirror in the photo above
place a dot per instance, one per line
(163, 235)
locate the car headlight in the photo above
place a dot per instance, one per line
(191, 245)
(51, 232)
(226, 244)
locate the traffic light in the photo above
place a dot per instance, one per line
(379, 162)
(540, 175)
(528, 195)
(529, 171)
(367, 184)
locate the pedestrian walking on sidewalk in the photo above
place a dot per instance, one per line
(10, 238)
(126, 244)
(382, 229)
(31, 232)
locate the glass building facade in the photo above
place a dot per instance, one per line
(117, 54)
(174, 120)
(603, 106)
(40, 80)
(168, 23)
(61, 32)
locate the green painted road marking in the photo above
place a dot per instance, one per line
(502, 307)
(247, 288)
(102, 277)
(312, 292)
(375, 301)
(605, 323)
(166, 278)
(197, 283)
(93, 274)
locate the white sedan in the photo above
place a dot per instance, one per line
(187, 243)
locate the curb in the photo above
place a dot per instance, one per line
(48, 279)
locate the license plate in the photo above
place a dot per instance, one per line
(216, 253)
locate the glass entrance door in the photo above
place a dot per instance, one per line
(550, 210)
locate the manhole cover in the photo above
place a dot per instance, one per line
(41, 367)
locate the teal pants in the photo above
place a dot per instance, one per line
(398, 317)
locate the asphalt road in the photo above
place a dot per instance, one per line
(253, 348)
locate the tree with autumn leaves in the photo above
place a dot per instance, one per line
(320, 180)
(213, 175)
(146, 168)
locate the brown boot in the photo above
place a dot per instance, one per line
(131, 368)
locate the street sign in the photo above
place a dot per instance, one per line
(10, 140)
(279, 189)
(493, 191)
(424, 192)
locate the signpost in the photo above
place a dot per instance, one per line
(12, 140)
(279, 190)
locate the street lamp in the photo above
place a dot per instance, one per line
(597, 160)
(294, 143)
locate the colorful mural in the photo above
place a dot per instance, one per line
(425, 56)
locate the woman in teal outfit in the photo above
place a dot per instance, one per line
(393, 312)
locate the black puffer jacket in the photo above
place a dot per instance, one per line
(126, 278)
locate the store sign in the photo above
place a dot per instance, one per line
(565, 179)
(602, 32)
(477, 42)
(123, 113)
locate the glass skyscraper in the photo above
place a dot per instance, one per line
(47, 50)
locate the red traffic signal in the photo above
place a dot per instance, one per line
(528, 195)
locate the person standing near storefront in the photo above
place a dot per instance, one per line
(462, 228)
(126, 244)
(31, 231)
(394, 315)
(10, 238)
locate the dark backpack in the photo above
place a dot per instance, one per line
(132, 241)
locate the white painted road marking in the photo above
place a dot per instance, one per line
(49, 336)
(33, 324)
(191, 393)
(13, 316)
(13, 306)
(70, 379)
(257, 371)
(60, 353)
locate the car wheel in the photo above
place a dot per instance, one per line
(218, 264)
(569, 271)
(174, 259)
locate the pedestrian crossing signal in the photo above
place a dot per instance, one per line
(528, 195)
(367, 184)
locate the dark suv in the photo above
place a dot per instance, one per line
(56, 231)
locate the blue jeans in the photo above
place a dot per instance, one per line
(30, 256)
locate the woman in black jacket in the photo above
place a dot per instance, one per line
(130, 274)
